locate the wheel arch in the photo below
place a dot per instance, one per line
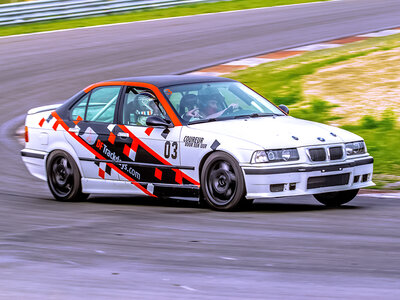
(67, 149)
(204, 158)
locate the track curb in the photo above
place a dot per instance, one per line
(253, 61)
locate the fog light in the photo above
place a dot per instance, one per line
(276, 187)
(365, 178)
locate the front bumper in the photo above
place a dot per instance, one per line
(306, 179)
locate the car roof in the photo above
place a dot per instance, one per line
(168, 80)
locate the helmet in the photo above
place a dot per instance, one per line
(188, 102)
(206, 96)
(145, 104)
(144, 107)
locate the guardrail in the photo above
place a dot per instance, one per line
(46, 10)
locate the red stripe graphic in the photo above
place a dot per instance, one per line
(158, 174)
(56, 125)
(78, 120)
(98, 155)
(111, 138)
(149, 130)
(126, 150)
(101, 173)
(178, 176)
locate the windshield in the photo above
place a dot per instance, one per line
(212, 101)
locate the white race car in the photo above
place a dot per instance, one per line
(198, 137)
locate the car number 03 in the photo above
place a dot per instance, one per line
(167, 150)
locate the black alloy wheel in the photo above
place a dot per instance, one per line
(63, 177)
(336, 199)
(222, 182)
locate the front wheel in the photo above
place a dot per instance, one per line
(336, 199)
(63, 177)
(222, 182)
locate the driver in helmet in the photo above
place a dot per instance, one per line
(146, 107)
(209, 107)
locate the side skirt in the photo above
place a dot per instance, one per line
(101, 186)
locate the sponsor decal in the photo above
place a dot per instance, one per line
(194, 142)
(111, 155)
(130, 170)
(215, 145)
(89, 136)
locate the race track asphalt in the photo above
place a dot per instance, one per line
(147, 249)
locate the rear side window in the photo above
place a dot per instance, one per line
(78, 112)
(98, 106)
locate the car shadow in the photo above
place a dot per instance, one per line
(283, 206)
(144, 201)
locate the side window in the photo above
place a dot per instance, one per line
(139, 104)
(102, 103)
(98, 106)
(78, 112)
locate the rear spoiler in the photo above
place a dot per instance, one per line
(43, 108)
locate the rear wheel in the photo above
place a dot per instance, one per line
(222, 182)
(335, 199)
(63, 177)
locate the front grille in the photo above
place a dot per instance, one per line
(317, 154)
(335, 153)
(330, 180)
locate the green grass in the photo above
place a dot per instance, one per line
(281, 82)
(383, 141)
(183, 10)
(11, 1)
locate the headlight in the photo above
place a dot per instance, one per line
(355, 148)
(264, 156)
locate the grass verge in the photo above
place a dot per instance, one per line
(177, 11)
(283, 81)
(12, 1)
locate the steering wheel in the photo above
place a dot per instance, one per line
(230, 110)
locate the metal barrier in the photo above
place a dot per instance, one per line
(46, 10)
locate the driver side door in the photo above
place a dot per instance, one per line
(149, 154)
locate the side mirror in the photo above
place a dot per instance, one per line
(284, 108)
(156, 121)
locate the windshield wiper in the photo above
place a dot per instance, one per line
(203, 121)
(256, 115)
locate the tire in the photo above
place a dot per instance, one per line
(63, 177)
(336, 199)
(222, 182)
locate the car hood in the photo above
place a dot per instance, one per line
(278, 132)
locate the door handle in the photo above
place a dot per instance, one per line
(74, 130)
(123, 135)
